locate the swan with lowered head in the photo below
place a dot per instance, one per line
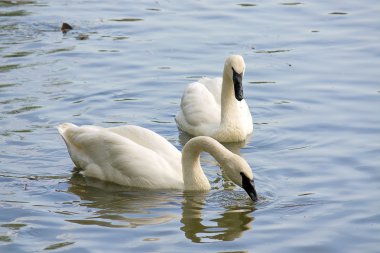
(216, 107)
(135, 156)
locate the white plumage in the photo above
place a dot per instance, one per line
(135, 156)
(215, 107)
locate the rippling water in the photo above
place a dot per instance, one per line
(312, 83)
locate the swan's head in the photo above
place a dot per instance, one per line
(239, 172)
(234, 68)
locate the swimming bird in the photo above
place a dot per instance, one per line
(216, 107)
(138, 157)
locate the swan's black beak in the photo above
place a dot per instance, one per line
(249, 187)
(238, 85)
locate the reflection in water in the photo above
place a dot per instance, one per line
(233, 221)
(231, 224)
(114, 206)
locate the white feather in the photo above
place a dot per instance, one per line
(135, 156)
(202, 111)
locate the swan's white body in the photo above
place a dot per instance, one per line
(135, 156)
(210, 107)
(127, 155)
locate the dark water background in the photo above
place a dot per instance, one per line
(312, 84)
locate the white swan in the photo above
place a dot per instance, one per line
(215, 107)
(135, 156)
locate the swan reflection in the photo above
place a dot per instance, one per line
(110, 205)
(229, 224)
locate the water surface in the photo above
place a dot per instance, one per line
(312, 84)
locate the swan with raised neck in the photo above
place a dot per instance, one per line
(216, 107)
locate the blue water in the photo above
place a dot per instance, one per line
(312, 84)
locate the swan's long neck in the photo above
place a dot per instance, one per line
(193, 175)
(228, 101)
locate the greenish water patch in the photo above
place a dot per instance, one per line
(120, 38)
(9, 133)
(59, 50)
(4, 85)
(5, 238)
(58, 245)
(24, 109)
(18, 100)
(6, 68)
(22, 131)
(14, 226)
(97, 223)
(14, 13)
(18, 54)
(8, 27)
(65, 212)
(127, 19)
(161, 122)
(8, 3)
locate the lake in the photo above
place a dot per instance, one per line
(312, 83)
